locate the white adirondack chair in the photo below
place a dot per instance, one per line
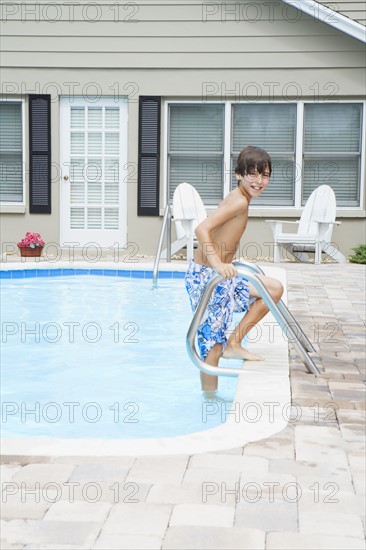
(315, 229)
(188, 212)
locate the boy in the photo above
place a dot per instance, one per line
(218, 237)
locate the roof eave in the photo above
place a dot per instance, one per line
(338, 21)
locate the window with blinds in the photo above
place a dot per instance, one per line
(273, 128)
(11, 153)
(332, 150)
(196, 149)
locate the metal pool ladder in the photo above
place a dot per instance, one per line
(165, 226)
(280, 312)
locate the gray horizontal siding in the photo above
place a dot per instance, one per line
(197, 60)
(184, 84)
(170, 11)
(165, 45)
(172, 34)
(132, 12)
(353, 10)
(306, 26)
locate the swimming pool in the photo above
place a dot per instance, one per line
(100, 357)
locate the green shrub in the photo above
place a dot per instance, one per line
(359, 257)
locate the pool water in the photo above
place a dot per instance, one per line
(100, 357)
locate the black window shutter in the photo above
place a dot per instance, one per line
(40, 154)
(149, 156)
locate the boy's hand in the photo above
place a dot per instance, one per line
(227, 270)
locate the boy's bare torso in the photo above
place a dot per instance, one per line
(227, 236)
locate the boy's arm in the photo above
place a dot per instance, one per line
(215, 221)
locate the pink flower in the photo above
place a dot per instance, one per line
(31, 240)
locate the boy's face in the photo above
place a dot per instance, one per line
(254, 184)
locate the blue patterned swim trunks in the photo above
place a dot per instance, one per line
(230, 295)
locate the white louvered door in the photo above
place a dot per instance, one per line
(93, 153)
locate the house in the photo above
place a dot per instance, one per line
(106, 107)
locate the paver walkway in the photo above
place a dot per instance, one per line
(303, 488)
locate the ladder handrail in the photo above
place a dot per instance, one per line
(166, 223)
(276, 312)
(282, 306)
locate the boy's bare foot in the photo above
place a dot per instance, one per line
(237, 352)
(214, 396)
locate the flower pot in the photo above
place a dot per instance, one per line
(30, 252)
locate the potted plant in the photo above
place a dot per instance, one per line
(31, 245)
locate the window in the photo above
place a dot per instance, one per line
(310, 145)
(196, 149)
(332, 151)
(11, 152)
(272, 127)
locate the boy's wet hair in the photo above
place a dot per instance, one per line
(252, 159)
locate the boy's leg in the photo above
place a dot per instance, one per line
(219, 315)
(256, 312)
(197, 277)
(209, 383)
